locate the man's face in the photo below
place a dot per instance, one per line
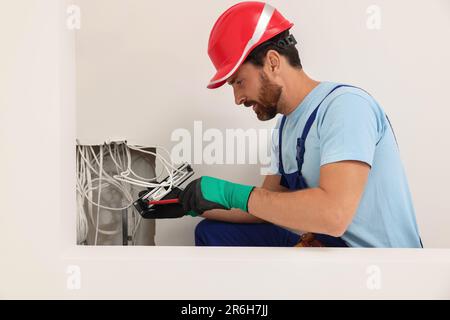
(252, 88)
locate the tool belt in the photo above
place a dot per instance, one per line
(309, 240)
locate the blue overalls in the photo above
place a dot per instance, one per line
(217, 233)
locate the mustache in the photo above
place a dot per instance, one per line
(249, 103)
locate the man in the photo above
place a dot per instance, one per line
(337, 174)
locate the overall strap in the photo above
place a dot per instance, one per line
(280, 134)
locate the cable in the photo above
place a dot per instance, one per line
(92, 177)
(86, 191)
(99, 192)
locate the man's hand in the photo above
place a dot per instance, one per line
(207, 193)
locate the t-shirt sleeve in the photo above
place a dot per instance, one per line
(349, 128)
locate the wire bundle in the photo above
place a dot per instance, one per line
(92, 177)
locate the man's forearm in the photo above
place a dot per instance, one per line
(309, 210)
(233, 215)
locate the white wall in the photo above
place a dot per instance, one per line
(142, 69)
(37, 130)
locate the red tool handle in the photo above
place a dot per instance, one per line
(167, 201)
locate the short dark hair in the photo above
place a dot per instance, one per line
(258, 54)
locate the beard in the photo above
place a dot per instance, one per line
(269, 97)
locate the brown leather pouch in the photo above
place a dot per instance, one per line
(308, 240)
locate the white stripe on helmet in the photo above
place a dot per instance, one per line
(261, 26)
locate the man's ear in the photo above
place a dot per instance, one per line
(273, 61)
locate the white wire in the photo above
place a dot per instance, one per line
(99, 193)
(111, 180)
(128, 153)
(164, 162)
(113, 158)
(82, 226)
(87, 192)
(89, 164)
(142, 149)
(103, 206)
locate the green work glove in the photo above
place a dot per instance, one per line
(208, 193)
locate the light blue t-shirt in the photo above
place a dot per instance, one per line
(350, 125)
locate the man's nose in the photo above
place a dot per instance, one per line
(239, 99)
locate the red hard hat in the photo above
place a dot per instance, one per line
(237, 32)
